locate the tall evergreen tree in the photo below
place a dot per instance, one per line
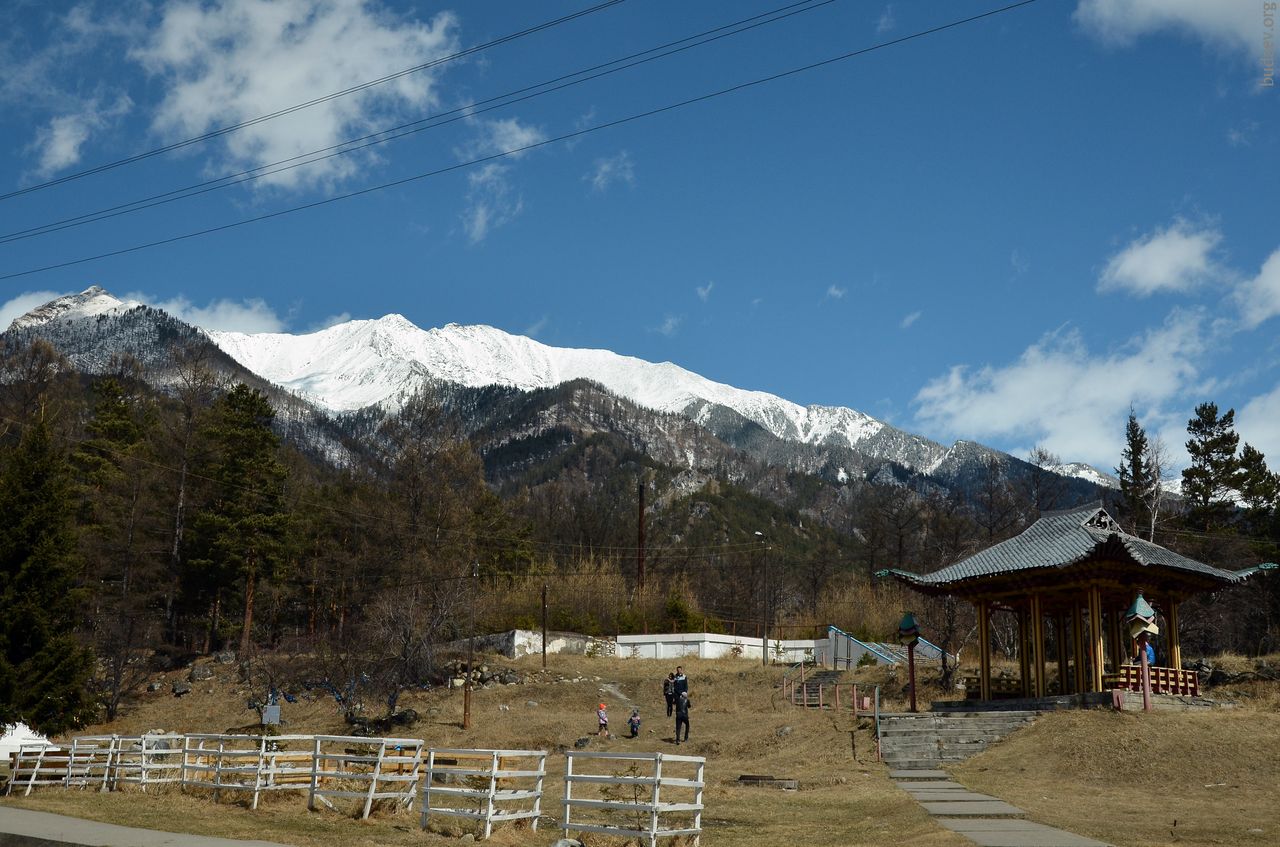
(44, 669)
(1136, 479)
(1214, 471)
(240, 535)
(1259, 489)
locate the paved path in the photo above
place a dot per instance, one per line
(985, 820)
(26, 828)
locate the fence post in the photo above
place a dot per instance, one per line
(855, 701)
(697, 798)
(837, 704)
(373, 781)
(568, 791)
(426, 787)
(653, 814)
(493, 787)
(537, 801)
(315, 775)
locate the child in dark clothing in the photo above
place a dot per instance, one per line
(634, 722)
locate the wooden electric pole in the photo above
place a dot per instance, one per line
(471, 657)
(640, 554)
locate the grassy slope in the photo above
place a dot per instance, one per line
(1139, 780)
(737, 713)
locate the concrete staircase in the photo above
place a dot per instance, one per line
(927, 740)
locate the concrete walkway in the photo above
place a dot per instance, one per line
(26, 828)
(985, 820)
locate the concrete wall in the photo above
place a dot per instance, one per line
(707, 645)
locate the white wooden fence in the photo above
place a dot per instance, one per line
(323, 766)
(641, 815)
(493, 781)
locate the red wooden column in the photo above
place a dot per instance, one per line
(1077, 642)
(1097, 639)
(1024, 654)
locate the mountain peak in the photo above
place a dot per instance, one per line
(93, 301)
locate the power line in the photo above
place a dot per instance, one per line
(177, 145)
(430, 122)
(517, 150)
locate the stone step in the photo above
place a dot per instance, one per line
(944, 732)
(918, 774)
(935, 743)
(921, 765)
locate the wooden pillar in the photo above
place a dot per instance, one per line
(1024, 656)
(1115, 645)
(1037, 645)
(1096, 638)
(1064, 669)
(1175, 646)
(984, 650)
(1077, 644)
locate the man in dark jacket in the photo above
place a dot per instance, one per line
(681, 682)
(682, 715)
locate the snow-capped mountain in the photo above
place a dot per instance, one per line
(383, 362)
(380, 362)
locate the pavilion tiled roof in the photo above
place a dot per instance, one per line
(1059, 540)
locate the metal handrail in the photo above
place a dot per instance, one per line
(870, 649)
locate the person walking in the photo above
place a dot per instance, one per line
(682, 715)
(602, 715)
(681, 682)
(669, 692)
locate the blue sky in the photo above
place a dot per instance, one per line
(1008, 232)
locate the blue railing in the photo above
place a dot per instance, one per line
(873, 650)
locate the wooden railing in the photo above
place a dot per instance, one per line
(1163, 680)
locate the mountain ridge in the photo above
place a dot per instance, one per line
(381, 363)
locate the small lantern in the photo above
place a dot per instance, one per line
(908, 630)
(1141, 618)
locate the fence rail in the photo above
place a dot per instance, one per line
(645, 815)
(496, 779)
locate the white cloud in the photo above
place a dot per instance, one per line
(248, 315)
(1243, 135)
(332, 320)
(670, 324)
(1259, 424)
(835, 292)
(1177, 258)
(1060, 394)
(492, 201)
(505, 135)
(58, 143)
(605, 172)
(23, 303)
(1234, 25)
(704, 291)
(1019, 263)
(533, 329)
(887, 21)
(1259, 297)
(909, 320)
(228, 61)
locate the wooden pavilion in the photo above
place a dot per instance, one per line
(1077, 571)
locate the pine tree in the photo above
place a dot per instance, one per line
(1259, 488)
(240, 535)
(44, 669)
(1136, 479)
(1214, 471)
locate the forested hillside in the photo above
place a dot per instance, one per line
(147, 520)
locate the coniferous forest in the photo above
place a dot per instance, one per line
(141, 527)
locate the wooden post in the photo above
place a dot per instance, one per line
(1077, 639)
(1024, 656)
(1146, 672)
(911, 672)
(1175, 645)
(984, 650)
(1115, 644)
(1037, 645)
(1097, 642)
(653, 815)
(1064, 665)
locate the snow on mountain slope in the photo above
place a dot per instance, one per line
(366, 362)
(90, 303)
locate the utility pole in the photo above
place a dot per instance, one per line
(544, 626)
(471, 657)
(640, 554)
(764, 629)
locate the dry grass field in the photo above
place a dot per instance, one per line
(1198, 778)
(738, 723)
